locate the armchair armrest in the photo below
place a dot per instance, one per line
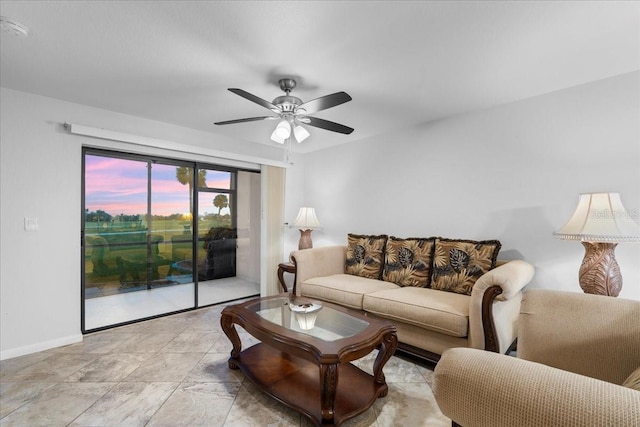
(495, 305)
(593, 335)
(479, 388)
(318, 262)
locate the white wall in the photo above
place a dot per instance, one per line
(40, 176)
(512, 173)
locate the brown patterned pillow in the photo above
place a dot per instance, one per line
(457, 264)
(407, 262)
(365, 255)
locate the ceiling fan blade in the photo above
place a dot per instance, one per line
(326, 124)
(325, 102)
(253, 98)
(250, 119)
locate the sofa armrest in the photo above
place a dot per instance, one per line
(318, 262)
(479, 388)
(495, 305)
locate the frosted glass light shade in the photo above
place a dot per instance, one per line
(276, 138)
(283, 130)
(600, 217)
(300, 133)
(307, 218)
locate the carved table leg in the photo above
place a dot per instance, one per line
(226, 322)
(387, 348)
(329, 381)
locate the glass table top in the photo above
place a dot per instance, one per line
(309, 317)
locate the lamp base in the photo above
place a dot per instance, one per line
(305, 239)
(599, 272)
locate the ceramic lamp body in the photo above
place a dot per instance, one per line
(599, 273)
(305, 239)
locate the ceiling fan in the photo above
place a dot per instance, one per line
(292, 112)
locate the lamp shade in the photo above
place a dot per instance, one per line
(307, 218)
(600, 217)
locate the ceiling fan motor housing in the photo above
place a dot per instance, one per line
(287, 103)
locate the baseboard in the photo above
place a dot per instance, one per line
(41, 346)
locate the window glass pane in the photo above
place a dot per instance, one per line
(115, 225)
(216, 257)
(171, 218)
(215, 179)
(130, 271)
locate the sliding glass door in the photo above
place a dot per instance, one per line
(159, 236)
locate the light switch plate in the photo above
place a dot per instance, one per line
(30, 224)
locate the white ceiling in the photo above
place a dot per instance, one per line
(404, 63)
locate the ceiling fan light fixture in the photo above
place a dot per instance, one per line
(300, 133)
(276, 138)
(283, 130)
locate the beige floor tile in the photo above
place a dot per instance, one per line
(145, 342)
(55, 368)
(165, 367)
(194, 405)
(110, 367)
(190, 341)
(126, 404)
(410, 404)
(254, 408)
(214, 368)
(58, 406)
(14, 395)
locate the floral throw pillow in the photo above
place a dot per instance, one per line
(407, 262)
(457, 264)
(365, 255)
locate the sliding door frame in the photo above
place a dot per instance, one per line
(195, 189)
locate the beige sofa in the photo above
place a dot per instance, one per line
(574, 352)
(428, 321)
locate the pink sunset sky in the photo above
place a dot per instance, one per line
(119, 186)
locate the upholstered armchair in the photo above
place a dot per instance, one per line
(574, 353)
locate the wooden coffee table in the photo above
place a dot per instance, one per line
(309, 370)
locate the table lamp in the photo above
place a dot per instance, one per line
(600, 222)
(306, 221)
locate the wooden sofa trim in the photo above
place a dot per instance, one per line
(488, 327)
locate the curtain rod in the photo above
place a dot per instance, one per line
(101, 133)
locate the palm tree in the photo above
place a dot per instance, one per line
(220, 201)
(184, 175)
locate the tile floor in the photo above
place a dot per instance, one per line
(173, 372)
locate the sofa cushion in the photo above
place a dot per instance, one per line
(457, 264)
(633, 381)
(438, 311)
(407, 262)
(365, 255)
(343, 289)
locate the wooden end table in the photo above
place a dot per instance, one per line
(309, 370)
(286, 267)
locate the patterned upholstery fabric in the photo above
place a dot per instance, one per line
(407, 262)
(457, 264)
(365, 255)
